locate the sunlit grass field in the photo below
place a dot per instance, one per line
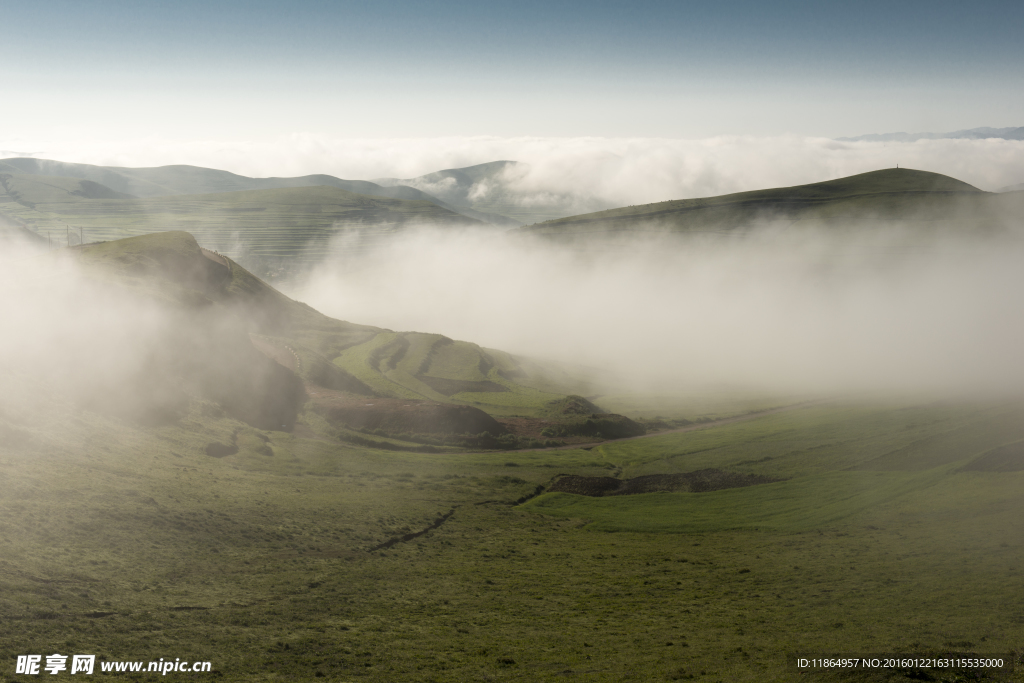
(131, 543)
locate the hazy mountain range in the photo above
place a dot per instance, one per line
(968, 134)
(483, 192)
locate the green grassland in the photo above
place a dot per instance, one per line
(270, 229)
(132, 543)
(301, 553)
(873, 456)
(163, 181)
(916, 198)
(709, 404)
(408, 365)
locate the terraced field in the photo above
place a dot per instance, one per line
(266, 229)
(433, 367)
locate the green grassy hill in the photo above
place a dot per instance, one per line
(270, 230)
(916, 197)
(162, 181)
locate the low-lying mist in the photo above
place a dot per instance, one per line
(890, 310)
(66, 336)
(130, 345)
(579, 173)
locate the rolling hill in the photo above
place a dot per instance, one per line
(245, 490)
(269, 360)
(271, 230)
(867, 199)
(163, 181)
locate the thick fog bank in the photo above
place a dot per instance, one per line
(130, 345)
(885, 311)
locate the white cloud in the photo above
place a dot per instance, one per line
(778, 312)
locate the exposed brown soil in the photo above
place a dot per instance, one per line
(441, 519)
(530, 427)
(693, 482)
(220, 450)
(450, 387)
(1009, 458)
(398, 416)
(586, 486)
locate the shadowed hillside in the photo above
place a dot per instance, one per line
(861, 200)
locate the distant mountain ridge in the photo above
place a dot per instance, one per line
(920, 197)
(166, 181)
(273, 231)
(983, 133)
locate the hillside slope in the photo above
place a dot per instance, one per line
(270, 229)
(889, 194)
(163, 181)
(268, 359)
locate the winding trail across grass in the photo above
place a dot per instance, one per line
(542, 487)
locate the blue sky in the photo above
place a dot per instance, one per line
(254, 70)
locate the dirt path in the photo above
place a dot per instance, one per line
(441, 519)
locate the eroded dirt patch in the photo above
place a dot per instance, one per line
(450, 387)
(396, 416)
(692, 482)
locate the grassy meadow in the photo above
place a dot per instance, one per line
(225, 510)
(133, 543)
